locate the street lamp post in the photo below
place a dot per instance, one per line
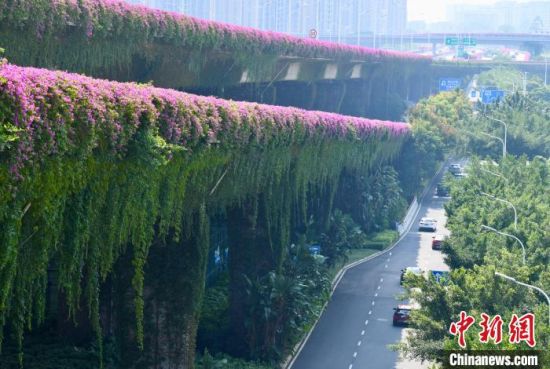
(528, 286)
(507, 203)
(494, 174)
(507, 235)
(505, 133)
(501, 141)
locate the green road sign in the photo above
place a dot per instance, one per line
(451, 41)
(454, 41)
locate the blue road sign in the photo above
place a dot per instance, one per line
(315, 250)
(440, 276)
(449, 84)
(489, 96)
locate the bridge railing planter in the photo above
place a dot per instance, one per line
(114, 39)
(92, 170)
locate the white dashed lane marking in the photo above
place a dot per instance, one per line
(370, 313)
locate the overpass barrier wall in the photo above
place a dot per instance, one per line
(409, 217)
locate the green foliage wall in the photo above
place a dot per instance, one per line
(97, 173)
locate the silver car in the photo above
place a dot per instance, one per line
(427, 224)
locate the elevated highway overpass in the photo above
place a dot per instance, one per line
(107, 39)
(512, 39)
(175, 51)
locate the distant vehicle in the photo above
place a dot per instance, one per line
(427, 224)
(402, 315)
(437, 241)
(413, 270)
(455, 169)
(441, 190)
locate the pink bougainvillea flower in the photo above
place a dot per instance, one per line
(58, 113)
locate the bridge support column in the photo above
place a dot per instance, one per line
(174, 286)
(343, 92)
(249, 257)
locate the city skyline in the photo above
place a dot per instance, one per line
(436, 11)
(333, 20)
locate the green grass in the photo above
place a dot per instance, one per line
(376, 242)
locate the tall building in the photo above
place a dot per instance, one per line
(502, 16)
(335, 20)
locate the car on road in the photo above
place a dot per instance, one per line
(402, 315)
(442, 190)
(413, 270)
(437, 241)
(455, 169)
(427, 224)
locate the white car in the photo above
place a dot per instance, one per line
(427, 224)
(456, 169)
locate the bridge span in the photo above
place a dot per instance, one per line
(506, 39)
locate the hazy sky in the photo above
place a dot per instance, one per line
(434, 10)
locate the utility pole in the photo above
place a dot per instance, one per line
(524, 83)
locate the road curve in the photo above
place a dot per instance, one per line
(356, 327)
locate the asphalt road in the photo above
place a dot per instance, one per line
(356, 328)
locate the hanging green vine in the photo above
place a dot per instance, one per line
(96, 169)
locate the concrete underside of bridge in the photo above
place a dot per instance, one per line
(374, 90)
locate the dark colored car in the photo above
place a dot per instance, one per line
(442, 190)
(437, 241)
(401, 315)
